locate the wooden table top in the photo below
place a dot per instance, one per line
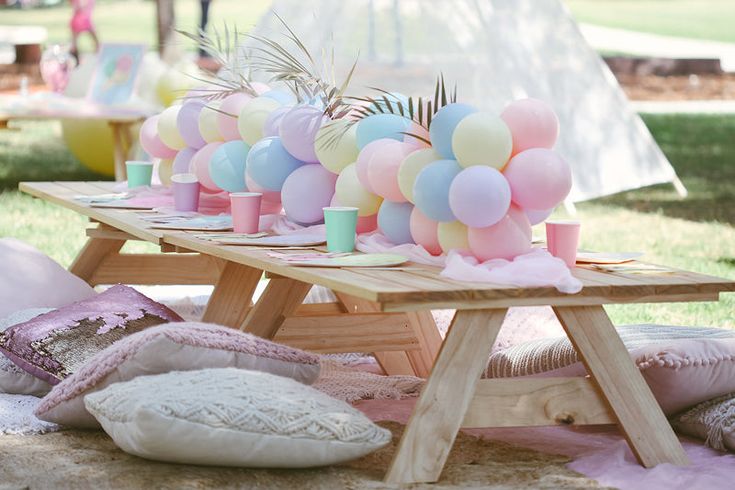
(409, 287)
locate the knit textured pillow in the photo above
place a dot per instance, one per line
(683, 366)
(233, 417)
(171, 347)
(14, 380)
(713, 421)
(54, 345)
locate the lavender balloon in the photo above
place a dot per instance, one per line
(298, 131)
(273, 123)
(182, 162)
(306, 191)
(479, 196)
(187, 122)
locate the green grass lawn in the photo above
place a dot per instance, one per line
(697, 233)
(699, 19)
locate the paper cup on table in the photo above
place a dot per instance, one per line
(245, 211)
(341, 223)
(562, 240)
(139, 173)
(186, 192)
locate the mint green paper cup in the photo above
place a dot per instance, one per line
(139, 173)
(341, 223)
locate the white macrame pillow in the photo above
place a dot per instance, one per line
(14, 380)
(233, 417)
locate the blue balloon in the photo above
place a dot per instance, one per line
(281, 96)
(394, 98)
(227, 166)
(443, 124)
(431, 189)
(269, 163)
(394, 220)
(380, 126)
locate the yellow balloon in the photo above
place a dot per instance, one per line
(253, 116)
(350, 192)
(208, 126)
(175, 82)
(410, 168)
(336, 154)
(91, 142)
(452, 235)
(167, 130)
(482, 138)
(165, 169)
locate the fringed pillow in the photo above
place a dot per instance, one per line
(713, 421)
(171, 347)
(233, 417)
(56, 344)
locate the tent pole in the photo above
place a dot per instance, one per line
(679, 186)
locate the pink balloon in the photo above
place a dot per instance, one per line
(365, 224)
(187, 122)
(260, 88)
(536, 216)
(200, 166)
(298, 131)
(383, 170)
(424, 232)
(273, 123)
(150, 141)
(268, 195)
(270, 207)
(363, 160)
(227, 124)
(306, 192)
(508, 238)
(182, 162)
(538, 178)
(532, 123)
(415, 143)
(479, 196)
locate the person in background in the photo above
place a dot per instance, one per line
(203, 21)
(81, 21)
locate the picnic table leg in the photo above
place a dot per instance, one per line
(280, 300)
(230, 300)
(92, 255)
(121, 142)
(607, 360)
(439, 411)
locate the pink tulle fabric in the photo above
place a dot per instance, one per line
(598, 452)
(162, 199)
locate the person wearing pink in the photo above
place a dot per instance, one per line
(81, 21)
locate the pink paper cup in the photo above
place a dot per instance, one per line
(186, 192)
(562, 240)
(245, 211)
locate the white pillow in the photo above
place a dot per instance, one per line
(233, 417)
(30, 279)
(13, 379)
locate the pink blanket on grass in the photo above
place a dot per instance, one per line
(599, 452)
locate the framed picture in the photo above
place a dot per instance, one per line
(116, 73)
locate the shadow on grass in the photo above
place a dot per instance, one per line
(702, 150)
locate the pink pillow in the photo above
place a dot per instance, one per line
(171, 347)
(54, 345)
(30, 279)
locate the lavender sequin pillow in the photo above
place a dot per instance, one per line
(54, 345)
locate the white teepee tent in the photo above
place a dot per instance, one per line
(496, 51)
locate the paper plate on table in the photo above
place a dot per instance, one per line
(361, 260)
(606, 258)
(271, 241)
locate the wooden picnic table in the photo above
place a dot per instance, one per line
(388, 310)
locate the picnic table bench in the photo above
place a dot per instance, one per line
(389, 311)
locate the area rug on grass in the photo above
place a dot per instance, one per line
(89, 459)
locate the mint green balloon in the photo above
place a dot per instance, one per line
(482, 138)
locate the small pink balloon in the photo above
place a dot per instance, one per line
(200, 166)
(268, 195)
(532, 123)
(424, 232)
(363, 160)
(260, 87)
(538, 178)
(270, 207)
(273, 123)
(479, 196)
(187, 122)
(231, 107)
(383, 170)
(416, 143)
(365, 224)
(298, 131)
(306, 192)
(536, 216)
(182, 162)
(508, 238)
(150, 141)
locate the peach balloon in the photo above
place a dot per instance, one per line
(364, 157)
(365, 224)
(383, 170)
(425, 232)
(538, 178)
(231, 107)
(532, 123)
(268, 195)
(416, 143)
(506, 239)
(200, 166)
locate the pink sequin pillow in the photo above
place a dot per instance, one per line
(54, 345)
(172, 347)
